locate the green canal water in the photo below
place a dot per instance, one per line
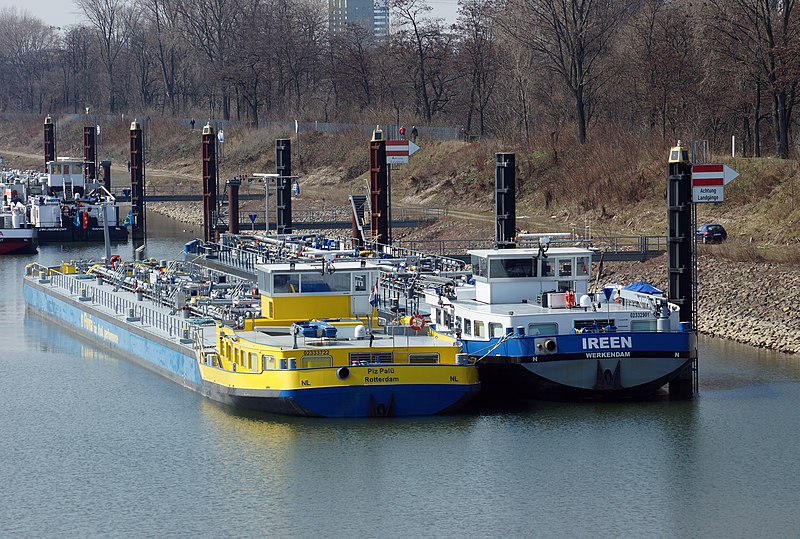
(94, 446)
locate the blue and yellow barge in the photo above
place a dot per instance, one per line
(304, 340)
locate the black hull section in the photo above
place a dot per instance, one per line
(514, 380)
(75, 234)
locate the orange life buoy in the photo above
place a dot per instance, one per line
(114, 260)
(417, 322)
(569, 297)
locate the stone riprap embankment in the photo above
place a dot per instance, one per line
(185, 212)
(750, 302)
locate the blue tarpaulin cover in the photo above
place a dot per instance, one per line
(643, 287)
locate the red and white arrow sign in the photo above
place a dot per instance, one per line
(397, 151)
(712, 174)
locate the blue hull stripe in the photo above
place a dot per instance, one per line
(589, 345)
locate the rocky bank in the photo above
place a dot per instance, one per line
(749, 302)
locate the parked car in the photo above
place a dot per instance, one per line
(711, 233)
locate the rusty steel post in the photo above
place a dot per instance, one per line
(378, 189)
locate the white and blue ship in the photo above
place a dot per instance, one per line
(527, 317)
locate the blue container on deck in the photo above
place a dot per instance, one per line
(315, 330)
(686, 326)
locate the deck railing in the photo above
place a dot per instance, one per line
(134, 311)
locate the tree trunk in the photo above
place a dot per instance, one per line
(580, 110)
(783, 125)
(757, 122)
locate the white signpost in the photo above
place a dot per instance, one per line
(709, 181)
(397, 151)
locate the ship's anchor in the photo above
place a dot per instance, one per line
(380, 409)
(606, 379)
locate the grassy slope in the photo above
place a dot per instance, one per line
(615, 187)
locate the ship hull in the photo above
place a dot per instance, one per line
(177, 362)
(75, 234)
(17, 241)
(363, 401)
(572, 371)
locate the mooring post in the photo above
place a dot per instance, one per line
(505, 200)
(680, 245)
(378, 189)
(209, 182)
(106, 167)
(89, 153)
(139, 228)
(49, 141)
(283, 185)
(233, 204)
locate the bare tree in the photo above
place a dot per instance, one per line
(354, 59)
(26, 43)
(662, 64)
(571, 36)
(210, 26)
(426, 42)
(76, 61)
(164, 25)
(113, 22)
(480, 51)
(763, 35)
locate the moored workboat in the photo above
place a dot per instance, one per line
(16, 234)
(316, 350)
(64, 206)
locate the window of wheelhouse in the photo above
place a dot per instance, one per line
(467, 326)
(583, 266)
(495, 329)
(564, 267)
(480, 266)
(512, 267)
(285, 283)
(548, 270)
